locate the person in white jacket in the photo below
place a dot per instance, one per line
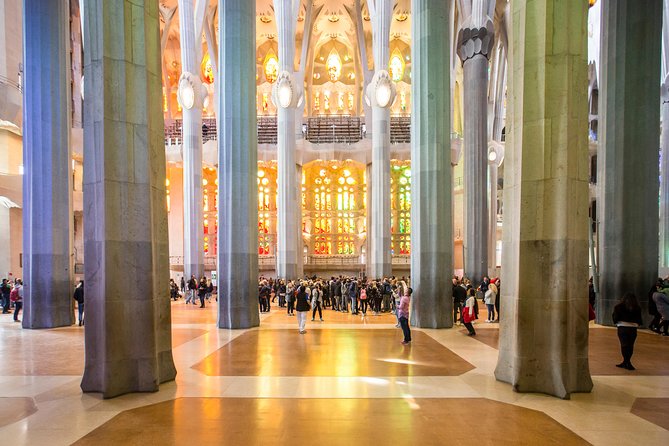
(317, 301)
(489, 300)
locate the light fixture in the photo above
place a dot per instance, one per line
(381, 90)
(383, 93)
(492, 155)
(284, 93)
(82, 88)
(186, 93)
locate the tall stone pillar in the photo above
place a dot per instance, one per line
(628, 155)
(475, 43)
(431, 172)
(664, 167)
(238, 166)
(128, 324)
(192, 144)
(289, 213)
(379, 232)
(47, 181)
(544, 332)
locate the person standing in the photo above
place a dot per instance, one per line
(202, 290)
(290, 298)
(403, 313)
(302, 308)
(183, 285)
(317, 301)
(79, 297)
(489, 300)
(353, 296)
(627, 317)
(192, 286)
(661, 301)
(18, 299)
(5, 289)
(469, 312)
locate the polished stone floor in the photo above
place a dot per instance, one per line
(348, 380)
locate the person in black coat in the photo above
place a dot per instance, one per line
(302, 309)
(79, 297)
(627, 317)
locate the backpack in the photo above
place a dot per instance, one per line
(363, 294)
(14, 295)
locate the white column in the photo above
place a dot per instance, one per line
(47, 181)
(475, 43)
(288, 264)
(238, 166)
(380, 259)
(192, 147)
(431, 171)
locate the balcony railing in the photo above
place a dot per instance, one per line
(324, 129)
(329, 129)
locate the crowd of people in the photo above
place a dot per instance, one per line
(358, 296)
(12, 297)
(202, 289)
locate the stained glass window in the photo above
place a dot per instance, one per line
(400, 201)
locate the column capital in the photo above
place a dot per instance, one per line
(474, 39)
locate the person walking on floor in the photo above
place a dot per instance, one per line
(192, 286)
(302, 308)
(317, 301)
(202, 290)
(469, 312)
(403, 313)
(627, 317)
(79, 297)
(5, 289)
(18, 299)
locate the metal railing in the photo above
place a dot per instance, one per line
(267, 130)
(327, 129)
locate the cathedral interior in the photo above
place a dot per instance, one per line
(418, 142)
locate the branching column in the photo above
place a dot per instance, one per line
(628, 157)
(475, 42)
(128, 326)
(47, 182)
(289, 212)
(192, 147)
(381, 14)
(238, 166)
(431, 182)
(544, 330)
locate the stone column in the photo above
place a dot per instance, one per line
(544, 330)
(238, 166)
(289, 213)
(664, 168)
(379, 232)
(628, 155)
(431, 172)
(192, 146)
(47, 181)
(128, 324)
(475, 43)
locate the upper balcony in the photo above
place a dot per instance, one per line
(325, 129)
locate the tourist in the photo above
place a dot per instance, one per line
(18, 299)
(396, 300)
(317, 301)
(353, 296)
(459, 299)
(192, 286)
(627, 317)
(5, 289)
(282, 294)
(183, 285)
(79, 297)
(403, 313)
(498, 285)
(336, 288)
(202, 290)
(290, 298)
(344, 296)
(386, 293)
(302, 308)
(174, 290)
(662, 303)
(264, 292)
(365, 292)
(489, 300)
(469, 312)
